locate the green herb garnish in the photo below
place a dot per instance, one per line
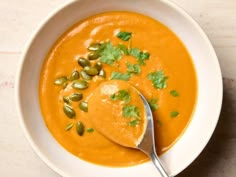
(122, 95)
(90, 130)
(174, 93)
(153, 103)
(125, 36)
(123, 49)
(158, 122)
(158, 79)
(134, 122)
(133, 68)
(139, 55)
(120, 76)
(174, 114)
(129, 111)
(109, 54)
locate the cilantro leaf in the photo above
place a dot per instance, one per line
(174, 93)
(158, 122)
(109, 53)
(90, 130)
(134, 122)
(153, 103)
(158, 79)
(135, 52)
(122, 95)
(120, 76)
(123, 49)
(133, 68)
(129, 111)
(174, 114)
(125, 36)
(139, 55)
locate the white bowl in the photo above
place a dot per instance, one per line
(207, 68)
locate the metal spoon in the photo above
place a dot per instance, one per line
(147, 144)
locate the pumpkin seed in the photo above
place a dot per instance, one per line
(68, 111)
(80, 84)
(94, 47)
(98, 66)
(85, 76)
(61, 80)
(90, 70)
(74, 76)
(66, 99)
(102, 73)
(93, 56)
(64, 85)
(83, 62)
(80, 128)
(76, 96)
(69, 126)
(83, 106)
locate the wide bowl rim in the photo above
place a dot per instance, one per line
(34, 36)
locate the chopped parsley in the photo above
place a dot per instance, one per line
(158, 79)
(90, 130)
(122, 95)
(174, 114)
(109, 54)
(134, 122)
(123, 49)
(133, 68)
(158, 122)
(129, 111)
(139, 55)
(174, 93)
(153, 103)
(125, 36)
(120, 76)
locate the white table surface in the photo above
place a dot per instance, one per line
(18, 20)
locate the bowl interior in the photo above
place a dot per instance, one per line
(207, 68)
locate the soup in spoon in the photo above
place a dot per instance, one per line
(117, 112)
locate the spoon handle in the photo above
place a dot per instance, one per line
(158, 164)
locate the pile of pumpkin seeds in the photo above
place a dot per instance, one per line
(80, 81)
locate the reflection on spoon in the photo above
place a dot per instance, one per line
(122, 114)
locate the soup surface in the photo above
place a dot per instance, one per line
(116, 46)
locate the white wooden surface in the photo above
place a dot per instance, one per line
(18, 20)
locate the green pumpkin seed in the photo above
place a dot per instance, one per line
(66, 99)
(94, 47)
(69, 126)
(83, 106)
(80, 128)
(76, 96)
(102, 73)
(64, 85)
(74, 76)
(93, 56)
(80, 84)
(91, 70)
(85, 76)
(61, 80)
(98, 66)
(83, 62)
(68, 111)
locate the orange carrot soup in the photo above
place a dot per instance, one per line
(82, 86)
